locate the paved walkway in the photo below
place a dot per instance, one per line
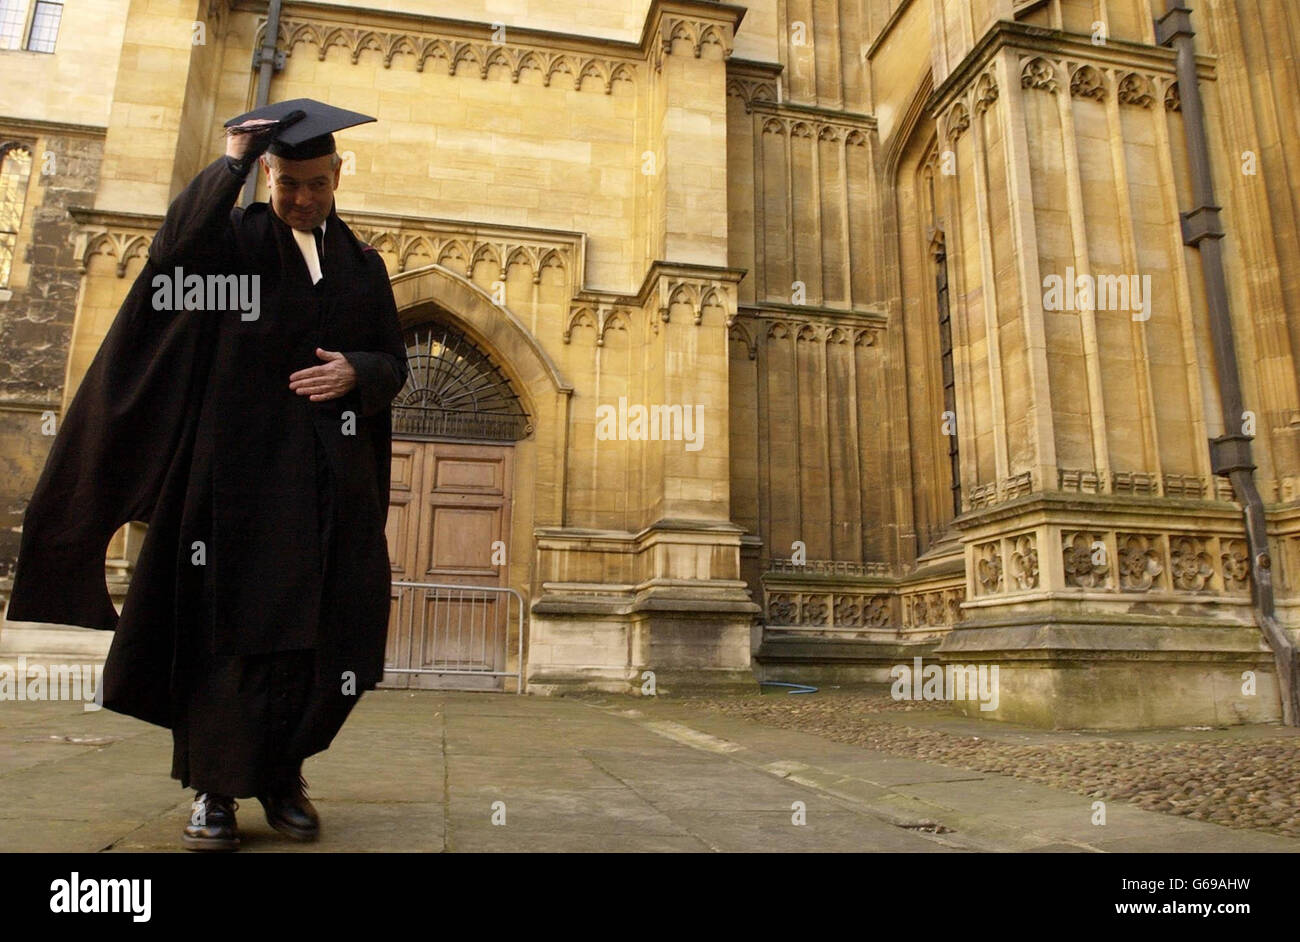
(425, 771)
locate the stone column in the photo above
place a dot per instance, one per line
(668, 597)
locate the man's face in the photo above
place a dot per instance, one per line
(302, 191)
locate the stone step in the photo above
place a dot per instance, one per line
(38, 641)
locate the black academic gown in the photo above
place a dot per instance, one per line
(260, 598)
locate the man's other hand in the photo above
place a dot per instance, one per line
(333, 378)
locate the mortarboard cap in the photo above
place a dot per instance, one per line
(313, 134)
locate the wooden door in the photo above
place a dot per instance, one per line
(448, 523)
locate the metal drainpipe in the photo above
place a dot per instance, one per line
(265, 60)
(1229, 453)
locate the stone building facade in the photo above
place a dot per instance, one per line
(914, 268)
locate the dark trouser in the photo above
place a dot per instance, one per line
(250, 720)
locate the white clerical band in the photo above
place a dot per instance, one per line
(307, 245)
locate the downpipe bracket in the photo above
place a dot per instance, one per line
(1176, 22)
(1229, 453)
(1202, 223)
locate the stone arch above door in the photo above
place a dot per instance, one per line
(487, 323)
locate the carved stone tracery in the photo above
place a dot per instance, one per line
(1086, 560)
(121, 245)
(988, 568)
(750, 90)
(1039, 73)
(1235, 556)
(958, 121)
(986, 92)
(1190, 564)
(1136, 89)
(1087, 82)
(1141, 561)
(1024, 561)
(1173, 101)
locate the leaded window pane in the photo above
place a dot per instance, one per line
(15, 169)
(11, 23)
(45, 26)
(8, 243)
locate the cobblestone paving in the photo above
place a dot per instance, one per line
(1244, 782)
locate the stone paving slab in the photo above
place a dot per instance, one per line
(823, 832)
(985, 811)
(500, 840)
(422, 771)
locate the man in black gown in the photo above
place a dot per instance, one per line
(249, 426)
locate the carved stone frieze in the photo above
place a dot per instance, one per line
(740, 334)
(461, 252)
(846, 131)
(938, 608)
(827, 567)
(1137, 89)
(809, 331)
(455, 53)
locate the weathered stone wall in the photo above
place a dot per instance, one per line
(36, 321)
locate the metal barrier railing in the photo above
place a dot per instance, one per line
(454, 629)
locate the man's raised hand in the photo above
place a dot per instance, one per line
(240, 137)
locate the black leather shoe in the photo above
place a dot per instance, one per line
(290, 811)
(212, 824)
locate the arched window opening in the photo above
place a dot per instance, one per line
(15, 170)
(939, 253)
(454, 390)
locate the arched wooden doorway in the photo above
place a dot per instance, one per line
(455, 423)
